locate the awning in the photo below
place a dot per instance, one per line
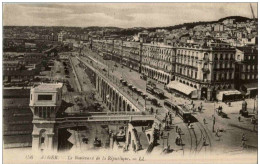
(160, 71)
(251, 86)
(187, 90)
(227, 93)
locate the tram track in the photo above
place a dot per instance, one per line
(201, 136)
(204, 134)
(196, 140)
(190, 138)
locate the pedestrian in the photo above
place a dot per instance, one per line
(243, 140)
(177, 141)
(204, 141)
(180, 141)
(189, 123)
(217, 130)
(161, 134)
(179, 132)
(217, 133)
(190, 126)
(243, 136)
(167, 124)
(134, 147)
(204, 120)
(239, 118)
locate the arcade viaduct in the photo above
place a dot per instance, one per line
(46, 124)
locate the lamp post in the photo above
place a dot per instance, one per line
(254, 104)
(145, 97)
(214, 109)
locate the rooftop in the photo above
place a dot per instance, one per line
(48, 86)
(11, 62)
(19, 73)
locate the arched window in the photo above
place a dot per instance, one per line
(206, 56)
(216, 56)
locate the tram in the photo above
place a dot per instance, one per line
(159, 93)
(170, 105)
(179, 109)
(106, 57)
(150, 89)
(184, 113)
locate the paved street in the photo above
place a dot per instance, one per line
(228, 141)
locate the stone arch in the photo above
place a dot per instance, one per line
(149, 137)
(114, 95)
(124, 105)
(42, 139)
(116, 101)
(219, 88)
(128, 107)
(119, 103)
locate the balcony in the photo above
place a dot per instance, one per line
(205, 70)
(205, 81)
(206, 59)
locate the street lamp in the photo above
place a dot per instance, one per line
(145, 97)
(254, 104)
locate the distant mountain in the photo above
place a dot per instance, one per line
(135, 30)
(237, 18)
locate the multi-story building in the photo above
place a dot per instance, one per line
(16, 76)
(204, 69)
(131, 55)
(246, 70)
(45, 101)
(158, 62)
(61, 36)
(200, 70)
(97, 45)
(11, 65)
(218, 27)
(33, 58)
(117, 51)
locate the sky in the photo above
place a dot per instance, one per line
(125, 15)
